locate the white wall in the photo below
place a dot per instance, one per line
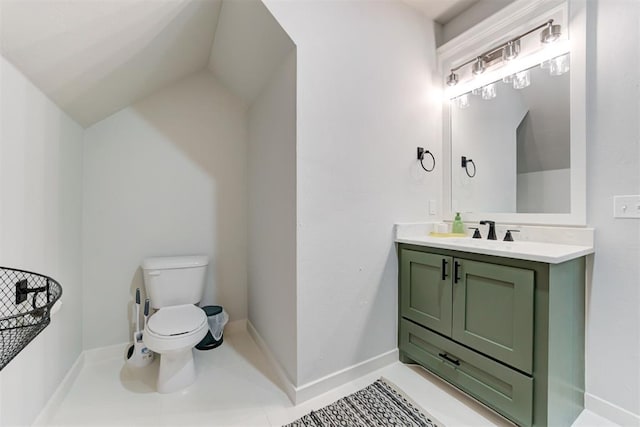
(272, 215)
(479, 11)
(166, 176)
(40, 208)
(366, 98)
(613, 153)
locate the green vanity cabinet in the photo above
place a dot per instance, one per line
(426, 297)
(508, 332)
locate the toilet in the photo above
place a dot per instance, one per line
(174, 285)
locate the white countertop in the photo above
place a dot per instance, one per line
(548, 252)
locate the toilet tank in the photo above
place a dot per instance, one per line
(174, 280)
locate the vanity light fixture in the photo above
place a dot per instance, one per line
(551, 32)
(506, 51)
(511, 50)
(559, 65)
(463, 101)
(452, 79)
(521, 79)
(489, 91)
(478, 66)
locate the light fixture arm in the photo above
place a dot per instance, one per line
(501, 46)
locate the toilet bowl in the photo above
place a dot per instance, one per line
(172, 332)
(174, 284)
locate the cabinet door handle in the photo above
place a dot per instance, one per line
(446, 357)
(444, 269)
(456, 272)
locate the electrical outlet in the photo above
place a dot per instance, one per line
(626, 206)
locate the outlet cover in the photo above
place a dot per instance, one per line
(626, 206)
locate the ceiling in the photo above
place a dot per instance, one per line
(441, 11)
(248, 47)
(93, 58)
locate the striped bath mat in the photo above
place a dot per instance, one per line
(379, 404)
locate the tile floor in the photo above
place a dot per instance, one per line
(235, 386)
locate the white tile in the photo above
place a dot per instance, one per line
(236, 386)
(589, 419)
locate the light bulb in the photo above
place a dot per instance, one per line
(551, 33)
(463, 101)
(521, 79)
(478, 67)
(452, 79)
(511, 50)
(559, 65)
(489, 91)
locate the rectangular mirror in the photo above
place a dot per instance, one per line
(514, 137)
(528, 142)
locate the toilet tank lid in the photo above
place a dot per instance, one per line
(166, 263)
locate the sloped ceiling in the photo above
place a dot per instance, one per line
(249, 45)
(93, 58)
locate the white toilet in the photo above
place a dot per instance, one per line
(174, 285)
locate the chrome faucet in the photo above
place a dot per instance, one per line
(492, 229)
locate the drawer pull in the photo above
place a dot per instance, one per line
(447, 358)
(444, 269)
(456, 272)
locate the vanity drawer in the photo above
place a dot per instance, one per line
(499, 387)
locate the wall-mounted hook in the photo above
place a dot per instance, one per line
(465, 164)
(421, 153)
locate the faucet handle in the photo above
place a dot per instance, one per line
(508, 237)
(476, 233)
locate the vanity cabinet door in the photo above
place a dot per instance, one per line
(425, 289)
(493, 311)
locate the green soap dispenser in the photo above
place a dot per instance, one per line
(458, 225)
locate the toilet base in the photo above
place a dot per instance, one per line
(177, 371)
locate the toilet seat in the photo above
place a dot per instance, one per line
(175, 328)
(177, 320)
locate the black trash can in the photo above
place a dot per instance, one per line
(217, 318)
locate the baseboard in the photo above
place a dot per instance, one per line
(336, 379)
(610, 411)
(285, 383)
(235, 326)
(52, 405)
(322, 385)
(103, 354)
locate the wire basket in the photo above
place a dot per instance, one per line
(26, 299)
